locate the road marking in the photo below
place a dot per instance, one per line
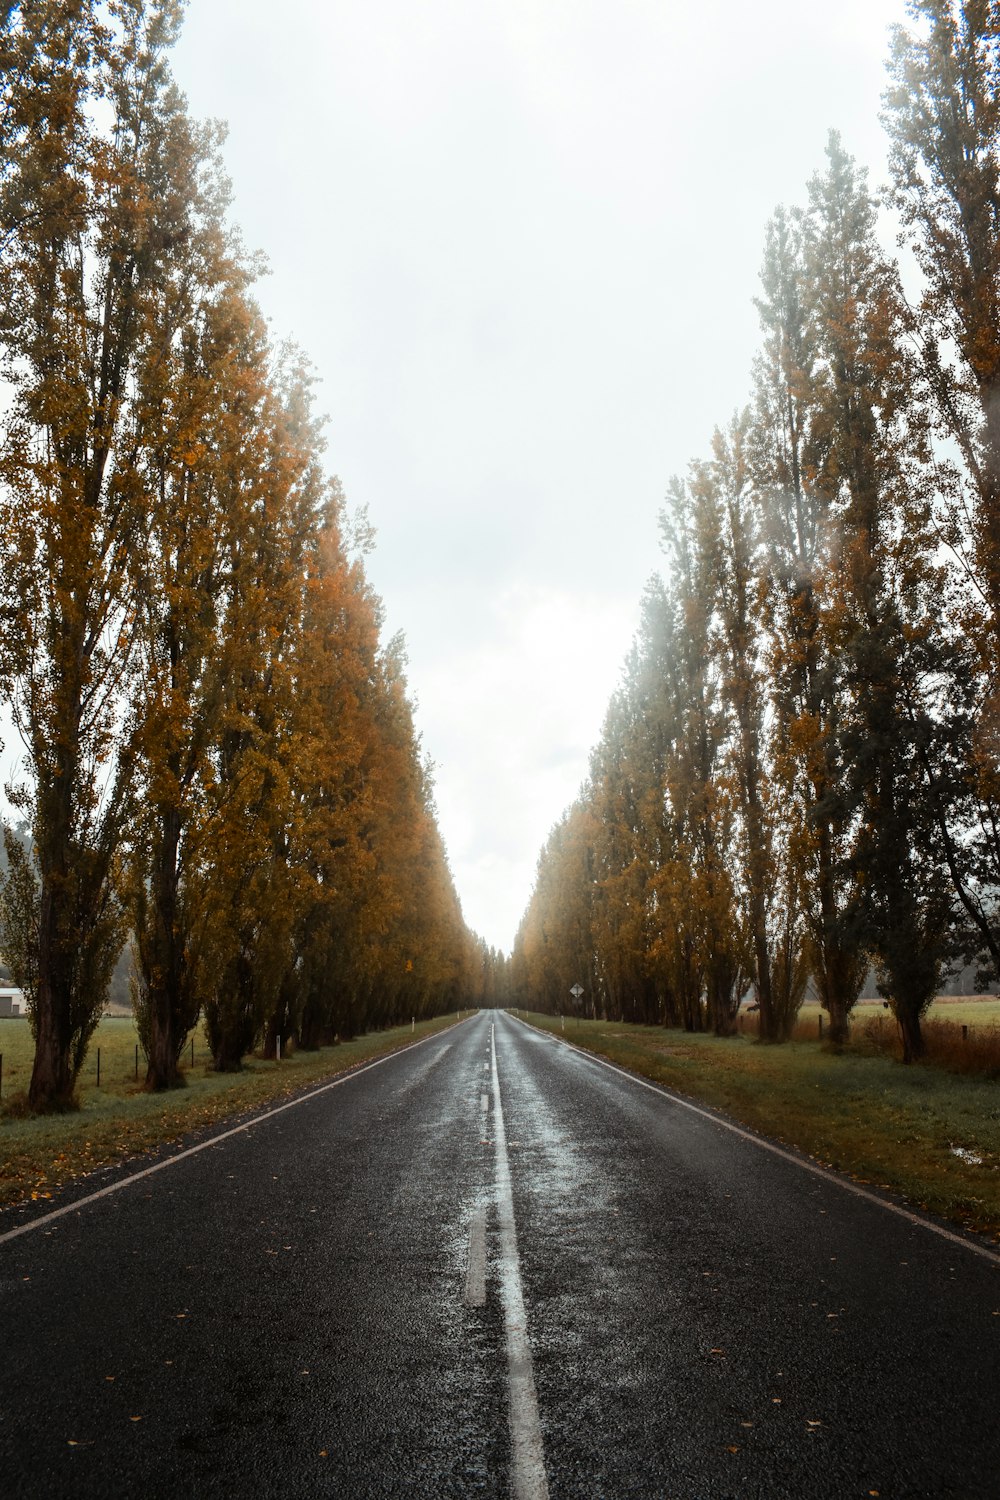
(484, 1102)
(475, 1277)
(796, 1161)
(528, 1480)
(160, 1166)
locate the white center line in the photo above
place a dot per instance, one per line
(528, 1481)
(484, 1102)
(475, 1278)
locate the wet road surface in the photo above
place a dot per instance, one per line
(491, 1265)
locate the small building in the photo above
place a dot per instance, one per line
(12, 1001)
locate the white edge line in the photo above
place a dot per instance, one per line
(114, 1187)
(826, 1173)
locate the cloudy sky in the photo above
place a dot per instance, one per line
(520, 240)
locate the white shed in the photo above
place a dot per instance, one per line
(12, 1001)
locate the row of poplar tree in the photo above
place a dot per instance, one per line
(220, 758)
(800, 775)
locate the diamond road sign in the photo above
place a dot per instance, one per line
(576, 991)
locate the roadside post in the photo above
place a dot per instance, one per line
(576, 992)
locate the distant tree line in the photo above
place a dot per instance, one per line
(220, 758)
(800, 775)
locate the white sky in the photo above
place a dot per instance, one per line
(519, 240)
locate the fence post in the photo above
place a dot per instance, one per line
(965, 1033)
(821, 1027)
(137, 1059)
(98, 1067)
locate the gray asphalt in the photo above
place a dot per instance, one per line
(286, 1312)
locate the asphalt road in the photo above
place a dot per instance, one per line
(492, 1266)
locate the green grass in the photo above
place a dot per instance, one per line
(119, 1119)
(976, 1012)
(863, 1113)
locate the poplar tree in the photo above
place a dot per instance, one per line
(245, 882)
(710, 956)
(203, 378)
(879, 601)
(766, 873)
(622, 769)
(86, 232)
(943, 118)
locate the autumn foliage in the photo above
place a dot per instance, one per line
(220, 760)
(798, 780)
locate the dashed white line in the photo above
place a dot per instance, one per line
(528, 1481)
(475, 1278)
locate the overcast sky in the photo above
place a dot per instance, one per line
(520, 241)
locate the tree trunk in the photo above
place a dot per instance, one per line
(839, 1011)
(164, 962)
(228, 1056)
(52, 1076)
(909, 1029)
(52, 1080)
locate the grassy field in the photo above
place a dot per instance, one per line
(118, 1119)
(931, 1135)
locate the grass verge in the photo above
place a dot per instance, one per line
(921, 1132)
(118, 1119)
